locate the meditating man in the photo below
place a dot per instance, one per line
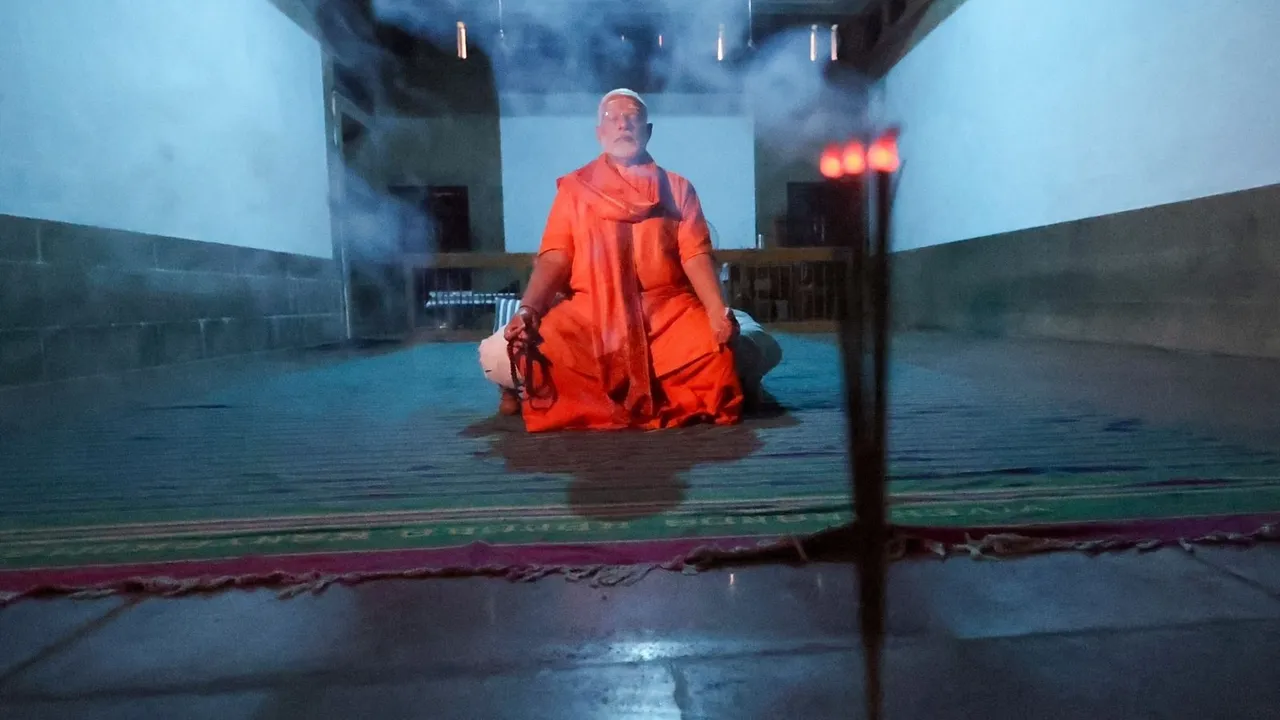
(623, 324)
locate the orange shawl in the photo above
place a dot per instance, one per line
(611, 202)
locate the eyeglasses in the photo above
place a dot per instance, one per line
(631, 117)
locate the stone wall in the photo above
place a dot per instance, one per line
(1201, 275)
(78, 301)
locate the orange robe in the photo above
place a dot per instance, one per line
(630, 345)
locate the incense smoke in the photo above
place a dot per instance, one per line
(707, 47)
(711, 48)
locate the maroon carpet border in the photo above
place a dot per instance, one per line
(614, 563)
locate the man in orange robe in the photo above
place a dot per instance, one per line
(623, 311)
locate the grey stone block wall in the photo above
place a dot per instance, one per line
(78, 301)
(1201, 275)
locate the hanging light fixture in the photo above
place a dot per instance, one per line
(813, 43)
(462, 40)
(751, 27)
(835, 43)
(720, 44)
(659, 39)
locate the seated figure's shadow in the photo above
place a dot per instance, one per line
(625, 475)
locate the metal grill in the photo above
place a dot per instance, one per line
(783, 288)
(467, 310)
(442, 299)
(781, 293)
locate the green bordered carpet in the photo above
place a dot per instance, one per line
(392, 464)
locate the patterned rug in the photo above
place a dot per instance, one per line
(393, 464)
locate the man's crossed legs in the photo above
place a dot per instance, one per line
(755, 353)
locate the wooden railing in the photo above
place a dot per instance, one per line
(795, 289)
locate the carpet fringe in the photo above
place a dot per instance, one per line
(997, 545)
(828, 545)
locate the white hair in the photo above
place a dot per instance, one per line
(620, 92)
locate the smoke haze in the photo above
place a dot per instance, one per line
(521, 53)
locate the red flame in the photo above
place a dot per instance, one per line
(855, 158)
(830, 165)
(883, 155)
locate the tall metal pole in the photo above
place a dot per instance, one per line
(864, 343)
(872, 497)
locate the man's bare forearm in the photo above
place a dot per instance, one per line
(701, 270)
(550, 273)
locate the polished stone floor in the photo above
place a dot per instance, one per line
(1167, 634)
(1163, 635)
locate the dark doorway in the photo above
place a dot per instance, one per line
(437, 218)
(810, 221)
(450, 209)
